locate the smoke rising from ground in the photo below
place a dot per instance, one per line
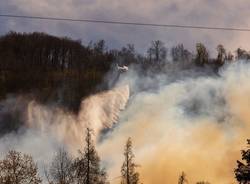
(184, 120)
(45, 129)
(197, 125)
(97, 112)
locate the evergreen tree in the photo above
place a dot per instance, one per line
(182, 178)
(202, 182)
(87, 166)
(242, 172)
(201, 55)
(128, 173)
(222, 55)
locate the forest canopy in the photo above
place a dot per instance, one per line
(63, 70)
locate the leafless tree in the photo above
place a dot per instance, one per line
(18, 168)
(61, 169)
(157, 51)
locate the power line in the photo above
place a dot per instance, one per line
(127, 23)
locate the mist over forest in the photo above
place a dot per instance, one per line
(167, 115)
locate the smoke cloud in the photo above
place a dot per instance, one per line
(197, 125)
(184, 120)
(97, 112)
(45, 129)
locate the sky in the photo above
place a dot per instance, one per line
(218, 13)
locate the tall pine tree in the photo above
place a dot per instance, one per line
(242, 172)
(182, 178)
(87, 166)
(128, 173)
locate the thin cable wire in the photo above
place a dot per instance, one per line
(127, 23)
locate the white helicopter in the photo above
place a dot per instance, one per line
(122, 68)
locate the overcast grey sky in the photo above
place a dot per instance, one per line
(222, 13)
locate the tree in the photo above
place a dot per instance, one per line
(128, 173)
(179, 53)
(230, 57)
(127, 55)
(201, 54)
(87, 166)
(61, 169)
(222, 55)
(182, 178)
(65, 70)
(17, 168)
(242, 54)
(157, 51)
(202, 182)
(100, 47)
(242, 172)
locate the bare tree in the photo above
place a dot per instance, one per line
(18, 168)
(179, 53)
(61, 169)
(242, 54)
(157, 51)
(128, 173)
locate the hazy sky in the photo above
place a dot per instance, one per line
(227, 13)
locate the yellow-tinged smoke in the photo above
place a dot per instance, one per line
(97, 112)
(197, 126)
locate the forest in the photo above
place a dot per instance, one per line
(19, 168)
(64, 71)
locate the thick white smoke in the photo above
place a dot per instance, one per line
(192, 121)
(197, 125)
(46, 129)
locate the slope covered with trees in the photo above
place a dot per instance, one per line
(52, 68)
(62, 70)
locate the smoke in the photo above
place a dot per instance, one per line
(97, 112)
(183, 120)
(41, 130)
(196, 124)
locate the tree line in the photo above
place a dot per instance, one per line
(63, 70)
(19, 168)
